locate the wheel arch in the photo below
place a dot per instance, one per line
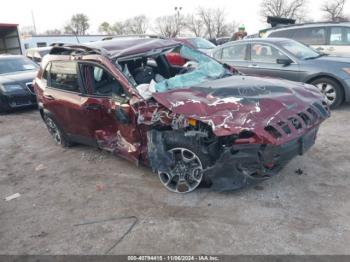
(334, 78)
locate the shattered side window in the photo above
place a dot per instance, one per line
(205, 68)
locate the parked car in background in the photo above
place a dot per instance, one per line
(37, 54)
(330, 38)
(189, 124)
(289, 59)
(16, 76)
(198, 43)
(221, 40)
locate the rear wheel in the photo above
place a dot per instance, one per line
(331, 89)
(186, 174)
(57, 134)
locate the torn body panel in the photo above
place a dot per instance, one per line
(235, 104)
(238, 166)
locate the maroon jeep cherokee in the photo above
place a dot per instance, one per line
(203, 122)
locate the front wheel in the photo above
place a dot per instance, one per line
(186, 173)
(4, 108)
(331, 89)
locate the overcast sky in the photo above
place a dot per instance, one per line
(54, 14)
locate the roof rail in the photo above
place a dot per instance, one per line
(77, 50)
(132, 35)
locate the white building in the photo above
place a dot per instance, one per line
(47, 40)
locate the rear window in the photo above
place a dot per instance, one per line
(63, 75)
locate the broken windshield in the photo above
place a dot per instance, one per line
(204, 69)
(148, 72)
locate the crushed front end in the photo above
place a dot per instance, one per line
(249, 131)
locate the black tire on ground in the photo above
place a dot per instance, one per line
(4, 108)
(339, 92)
(179, 140)
(56, 132)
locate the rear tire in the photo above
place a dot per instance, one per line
(57, 133)
(331, 89)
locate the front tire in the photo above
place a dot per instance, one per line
(187, 173)
(57, 134)
(331, 89)
(4, 108)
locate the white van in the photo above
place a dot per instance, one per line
(330, 38)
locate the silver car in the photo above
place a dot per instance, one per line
(289, 59)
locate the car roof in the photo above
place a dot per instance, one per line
(40, 48)
(307, 25)
(123, 47)
(260, 40)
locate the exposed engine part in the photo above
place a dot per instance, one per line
(199, 133)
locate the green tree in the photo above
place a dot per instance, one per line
(79, 24)
(105, 28)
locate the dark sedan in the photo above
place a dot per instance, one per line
(289, 59)
(16, 77)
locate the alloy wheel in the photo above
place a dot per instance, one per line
(54, 131)
(329, 91)
(186, 174)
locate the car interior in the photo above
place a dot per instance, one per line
(98, 81)
(145, 69)
(265, 53)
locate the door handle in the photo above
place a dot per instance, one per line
(92, 107)
(49, 97)
(253, 66)
(320, 49)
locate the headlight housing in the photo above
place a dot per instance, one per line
(10, 88)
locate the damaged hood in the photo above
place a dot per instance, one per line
(233, 104)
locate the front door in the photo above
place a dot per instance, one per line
(109, 119)
(263, 62)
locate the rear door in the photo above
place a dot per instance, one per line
(234, 55)
(263, 62)
(63, 96)
(339, 41)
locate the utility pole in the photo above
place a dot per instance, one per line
(33, 20)
(177, 18)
